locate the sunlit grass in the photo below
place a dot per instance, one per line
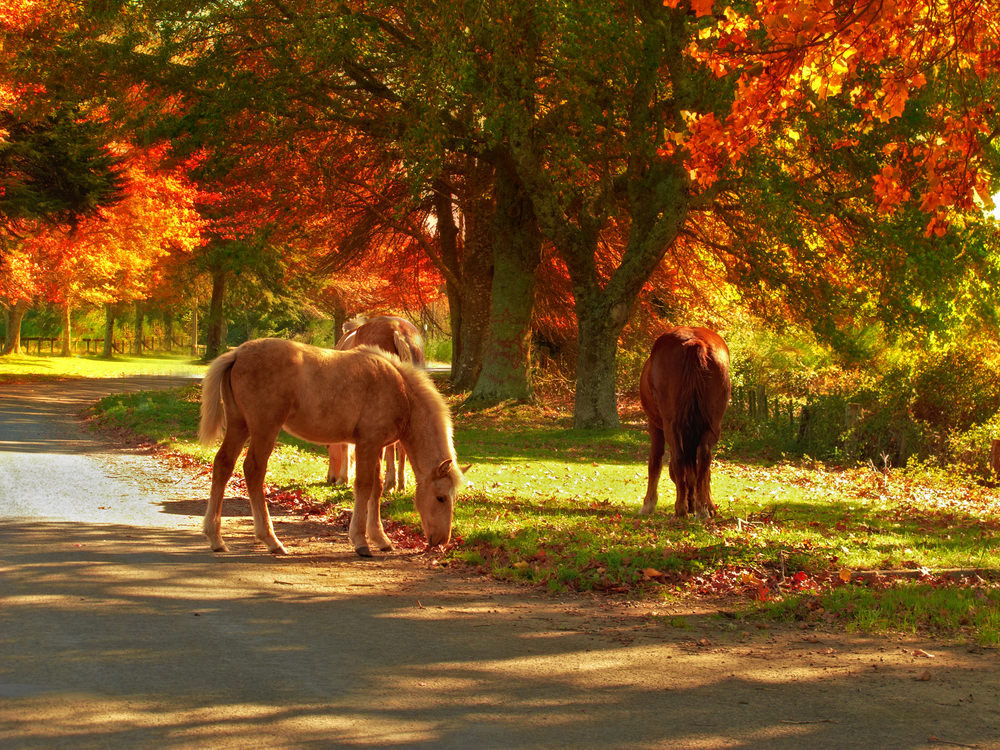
(18, 367)
(557, 508)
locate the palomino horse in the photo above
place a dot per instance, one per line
(396, 336)
(685, 389)
(363, 395)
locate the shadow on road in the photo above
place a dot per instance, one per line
(116, 636)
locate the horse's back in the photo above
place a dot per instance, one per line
(320, 395)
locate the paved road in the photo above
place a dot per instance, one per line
(119, 629)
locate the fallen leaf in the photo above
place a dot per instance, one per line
(648, 574)
(925, 654)
(923, 676)
(845, 575)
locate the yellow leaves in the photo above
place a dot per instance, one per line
(845, 575)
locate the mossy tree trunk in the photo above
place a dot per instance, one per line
(517, 246)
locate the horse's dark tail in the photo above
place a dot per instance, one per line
(693, 419)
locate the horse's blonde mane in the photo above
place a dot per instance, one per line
(424, 394)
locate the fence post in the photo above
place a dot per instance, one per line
(762, 414)
(995, 456)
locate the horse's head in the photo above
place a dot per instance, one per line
(435, 500)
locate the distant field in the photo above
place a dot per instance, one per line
(53, 366)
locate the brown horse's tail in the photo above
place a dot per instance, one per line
(402, 347)
(693, 419)
(212, 414)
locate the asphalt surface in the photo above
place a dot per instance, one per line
(120, 629)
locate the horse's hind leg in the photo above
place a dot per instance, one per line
(654, 468)
(390, 482)
(222, 469)
(254, 468)
(400, 467)
(367, 493)
(704, 506)
(340, 463)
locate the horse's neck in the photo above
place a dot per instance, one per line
(427, 441)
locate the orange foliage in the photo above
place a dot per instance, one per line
(114, 254)
(874, 56)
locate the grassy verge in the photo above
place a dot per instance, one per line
(554, 507)
(20, 367)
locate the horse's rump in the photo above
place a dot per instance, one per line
(389, 333)
(687, 379)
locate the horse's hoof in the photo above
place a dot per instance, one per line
(279, 550)
(220, 548)
(363, 551)
(387, 547)
(644, 511)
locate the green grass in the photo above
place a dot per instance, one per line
(19, 367)
(556, 507)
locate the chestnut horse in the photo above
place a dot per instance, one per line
(684, 389)
(364, 396)
(396, 336)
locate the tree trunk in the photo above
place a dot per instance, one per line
(140, 315)
(15, 314)
(168, 331)
(109, 331)
(194, 329)
(469, 301)
(596, 402)
(516, 254)
(215, 339)
(67, 337)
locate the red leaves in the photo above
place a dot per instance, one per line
(876, 58)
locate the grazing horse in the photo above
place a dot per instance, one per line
(364, 396)
(396, 336)
(684, 389)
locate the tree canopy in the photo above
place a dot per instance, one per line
(827, 163)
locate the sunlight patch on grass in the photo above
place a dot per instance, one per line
(89, 366)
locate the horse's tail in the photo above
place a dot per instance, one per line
(693, 418)
(402, 347)
(212, 414)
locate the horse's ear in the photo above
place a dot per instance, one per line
(465, 468)
(443, 468)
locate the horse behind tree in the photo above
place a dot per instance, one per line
(684, 389)
(363, 396)
(396, 336)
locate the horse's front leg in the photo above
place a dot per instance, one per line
(254, 468)
(367, 494)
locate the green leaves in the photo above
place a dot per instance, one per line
(56, 168)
